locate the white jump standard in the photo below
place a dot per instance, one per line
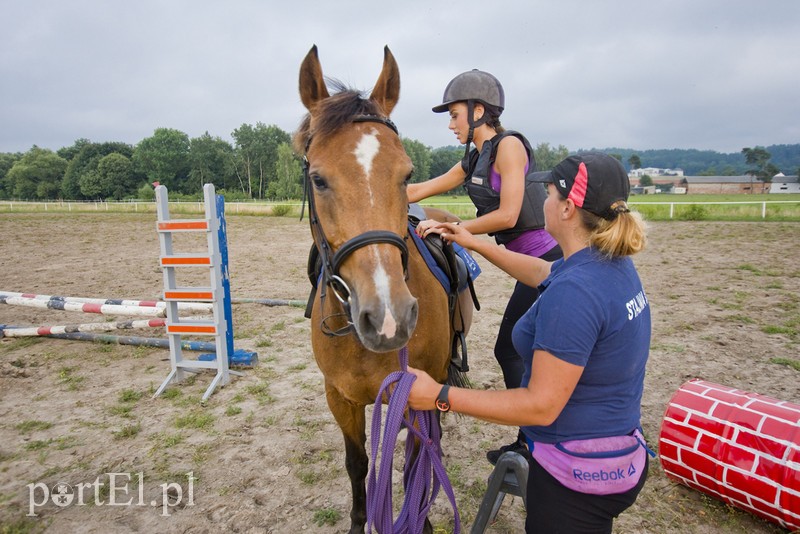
(215, 259)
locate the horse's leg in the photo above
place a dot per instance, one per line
(352, 419)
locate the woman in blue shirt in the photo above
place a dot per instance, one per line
(584, 343)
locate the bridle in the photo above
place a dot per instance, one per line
(332, 260)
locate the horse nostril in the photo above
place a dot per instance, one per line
(413, 312)
(365, 321)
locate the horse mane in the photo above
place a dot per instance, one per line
(334, 112)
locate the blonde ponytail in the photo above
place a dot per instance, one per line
(625, 235)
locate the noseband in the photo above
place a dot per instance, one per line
(332, 261)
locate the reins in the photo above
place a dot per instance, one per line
(332, 261)
(423, 475)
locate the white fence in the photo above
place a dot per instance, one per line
(462, 209)
(762, 203)
(144, 206)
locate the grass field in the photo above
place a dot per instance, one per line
(653, 207)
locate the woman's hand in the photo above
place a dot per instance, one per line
(425, 227)
(456, 233)
(424, 391)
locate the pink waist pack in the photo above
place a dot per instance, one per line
(599, 466)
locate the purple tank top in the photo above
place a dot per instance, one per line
(531, 243)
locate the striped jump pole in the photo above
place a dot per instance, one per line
(104, 309)
(200, 346)
(187, 306)
(240, 357)
(35, 331)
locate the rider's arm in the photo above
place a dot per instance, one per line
(529, 270)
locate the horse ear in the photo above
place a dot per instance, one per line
(312, 83)
(386, 92)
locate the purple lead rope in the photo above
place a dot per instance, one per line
(423, 475)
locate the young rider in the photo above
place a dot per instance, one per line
(508, 207)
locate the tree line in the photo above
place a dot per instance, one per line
(693, 162)
(259, 165)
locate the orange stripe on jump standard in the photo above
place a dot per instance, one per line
(183, 225)
(188, 295)
(191, 329)
(194, 260)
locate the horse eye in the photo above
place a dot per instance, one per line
(319, 182)
(407, 179)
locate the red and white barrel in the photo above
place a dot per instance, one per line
(742, 448)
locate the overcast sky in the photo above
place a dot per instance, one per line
(719, 75)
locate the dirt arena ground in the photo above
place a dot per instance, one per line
(264, 454)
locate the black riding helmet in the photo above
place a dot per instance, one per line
(470, 87)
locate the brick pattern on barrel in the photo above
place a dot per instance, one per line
(742, 448)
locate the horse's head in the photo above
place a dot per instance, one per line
(356, 174)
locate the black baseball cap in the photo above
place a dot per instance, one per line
(592, 180)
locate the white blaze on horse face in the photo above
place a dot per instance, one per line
(365, 152)
(381, 279)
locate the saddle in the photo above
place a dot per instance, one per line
(451, 264)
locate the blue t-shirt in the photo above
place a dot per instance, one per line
(592, 312)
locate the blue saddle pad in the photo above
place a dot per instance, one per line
(472, 267)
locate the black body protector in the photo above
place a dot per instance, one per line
(477, 166)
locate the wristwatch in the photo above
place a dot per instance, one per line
(442, 403)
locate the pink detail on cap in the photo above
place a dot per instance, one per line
(578, 191)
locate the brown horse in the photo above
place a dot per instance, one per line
(385, 297)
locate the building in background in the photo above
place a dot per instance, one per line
(784, 184)
(723, 185)
(709, 185)
(654, 172)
